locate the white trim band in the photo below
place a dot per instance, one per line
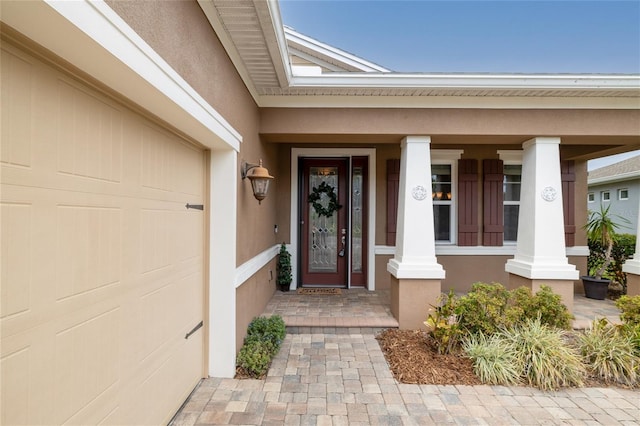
(252, 266)
(509, 250)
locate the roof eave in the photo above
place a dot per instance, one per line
(472, 81)
(615, 178)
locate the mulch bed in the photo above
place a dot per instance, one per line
(413, 358)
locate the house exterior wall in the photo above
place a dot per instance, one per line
(450, 125)
(180, 33)
(462, 269)
(627, 209)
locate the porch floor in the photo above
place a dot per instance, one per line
(358, 308)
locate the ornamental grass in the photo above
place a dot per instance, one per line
(609, 352)
(544, 359)
(494, 359)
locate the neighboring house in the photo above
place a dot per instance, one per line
(133, 253)
(617, 186)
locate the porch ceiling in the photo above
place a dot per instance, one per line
(253, 35)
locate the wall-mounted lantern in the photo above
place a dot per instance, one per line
(259, 179)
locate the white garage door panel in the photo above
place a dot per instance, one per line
(102, 264)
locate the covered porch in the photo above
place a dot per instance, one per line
(362, 309)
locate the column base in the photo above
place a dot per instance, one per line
(633, 284)
(411, 300)
(564, 288)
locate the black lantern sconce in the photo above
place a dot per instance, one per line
(259, 179)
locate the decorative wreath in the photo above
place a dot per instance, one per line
(316, 195)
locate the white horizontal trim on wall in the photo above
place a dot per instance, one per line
(479, 251)
(252, 266)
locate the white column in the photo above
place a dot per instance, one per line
(415, 255)
(632, 266)
(541, 251)
(222, 264)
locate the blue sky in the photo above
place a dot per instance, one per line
(570, 36)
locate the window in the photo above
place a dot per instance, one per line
(605, 196)
(591, 197)
(511, 190)
(623, 194)
(442, 195)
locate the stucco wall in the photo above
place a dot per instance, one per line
(250, 298)
(469, 126)
(181, 34)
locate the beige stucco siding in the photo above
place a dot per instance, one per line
(471, 126)
(181, 34)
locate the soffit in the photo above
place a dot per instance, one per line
(254, 37)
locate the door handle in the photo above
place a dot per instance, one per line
(344, 243)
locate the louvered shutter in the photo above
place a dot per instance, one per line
(393, 188)
(493, 206)
(567, 170)
(467, 202)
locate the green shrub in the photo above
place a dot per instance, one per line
(623, 249)
(542, 356)
(254, 357)
(548, 306)
(630, 307)
(488, 308)
(271, 329)
(483, 309)
(494, 359)
(609, 353)
(264, 338)
(442, 323)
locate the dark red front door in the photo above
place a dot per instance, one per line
(324, 213)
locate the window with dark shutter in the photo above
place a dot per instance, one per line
(568, 175)
(467, 202)
(493, 196)
(393, 189)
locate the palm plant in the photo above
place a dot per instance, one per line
(602, 228)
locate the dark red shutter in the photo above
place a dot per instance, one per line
(467, 202)
(393, 189)
(493, 229)
(568, 173)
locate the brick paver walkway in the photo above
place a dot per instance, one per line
(343, 379)
(331, 371)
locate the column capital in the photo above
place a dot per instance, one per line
(550, 140)
(415, 139)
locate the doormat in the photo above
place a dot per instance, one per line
(319, 291)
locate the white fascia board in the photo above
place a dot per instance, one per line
(212, 16)
(282, 64)
(474, 81)
(617, 178)
(484, 102)
(317, 61)
(331, 52)
(106, 48)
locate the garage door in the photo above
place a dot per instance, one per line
(102, 264)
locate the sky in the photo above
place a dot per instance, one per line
(508, 36)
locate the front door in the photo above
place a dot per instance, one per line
(332, 212)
